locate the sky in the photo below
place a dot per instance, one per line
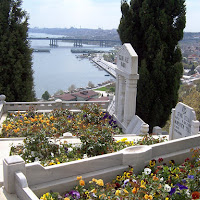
(92, 14)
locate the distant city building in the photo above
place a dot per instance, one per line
(78, 96)
(66, 97)
(85, 95)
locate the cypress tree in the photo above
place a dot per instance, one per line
(154, 28)
(16, 80)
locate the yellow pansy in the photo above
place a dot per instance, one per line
(118, 192)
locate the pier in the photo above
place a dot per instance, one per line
(107, 66)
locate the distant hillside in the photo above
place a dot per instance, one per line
(95, 33)
(190, 35)
(81, 32)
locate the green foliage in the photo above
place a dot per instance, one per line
(154, 28)
(110, 57)
(192, 100)
(46, 95)
(39, 147)
(109, 88)
(197, 83)
(15, 61)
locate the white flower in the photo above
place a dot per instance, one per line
(134, 181)
(167, 188)
(147, 171)
(52, 154)
(70, 149)
(37, 160)
(162, 179)
(84, 156)
(188, 193)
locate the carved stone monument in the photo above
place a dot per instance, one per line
(126, 88)
(183, 122)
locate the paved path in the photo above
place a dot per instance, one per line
(5, 196)
(107, 66)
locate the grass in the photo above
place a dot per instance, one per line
(101, 89)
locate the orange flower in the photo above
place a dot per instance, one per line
(94, 180)
(134, 190)
(79, 178)
(160, 186)
(15, 130)
(81, 182)
(155, 178)
(100, 182)
(148, 197)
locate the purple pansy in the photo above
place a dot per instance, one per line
(190, 176)
(181, 187)
(74, 194)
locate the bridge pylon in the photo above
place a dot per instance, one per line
(53, 43)
(78, 43)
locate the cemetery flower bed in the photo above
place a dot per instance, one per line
(39, 148)
(57, 122)
(94, 128)
(157, 181)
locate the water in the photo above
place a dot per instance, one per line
(59, 69)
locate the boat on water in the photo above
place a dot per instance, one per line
(107, 74)
(86, 51)
(41, 50)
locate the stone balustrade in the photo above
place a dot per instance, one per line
(48, 105)
(30, 181)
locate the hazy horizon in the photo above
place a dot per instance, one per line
(93, 14)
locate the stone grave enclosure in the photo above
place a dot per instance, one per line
(183, 122)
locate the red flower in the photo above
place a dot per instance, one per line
(182, 170)
(187, 159)
(195, 195)
(117, 185)
(160, 160)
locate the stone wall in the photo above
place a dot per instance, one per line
(36, 180)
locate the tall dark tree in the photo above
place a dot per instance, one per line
(154, 27)
(16, 75)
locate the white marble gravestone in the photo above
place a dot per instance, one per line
(126, 87)
(183, 122)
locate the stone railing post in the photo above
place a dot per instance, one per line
(195, 127)
(2, 98)
(2, 105)
(121, 98)
(11, 165)
(144, 129)
(58, 104)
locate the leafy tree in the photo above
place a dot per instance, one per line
(59, 92)
(46, 95)
(154, 28)
(72, 87)
(16, 80)
(90, 84)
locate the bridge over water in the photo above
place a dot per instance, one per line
(78, 42)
